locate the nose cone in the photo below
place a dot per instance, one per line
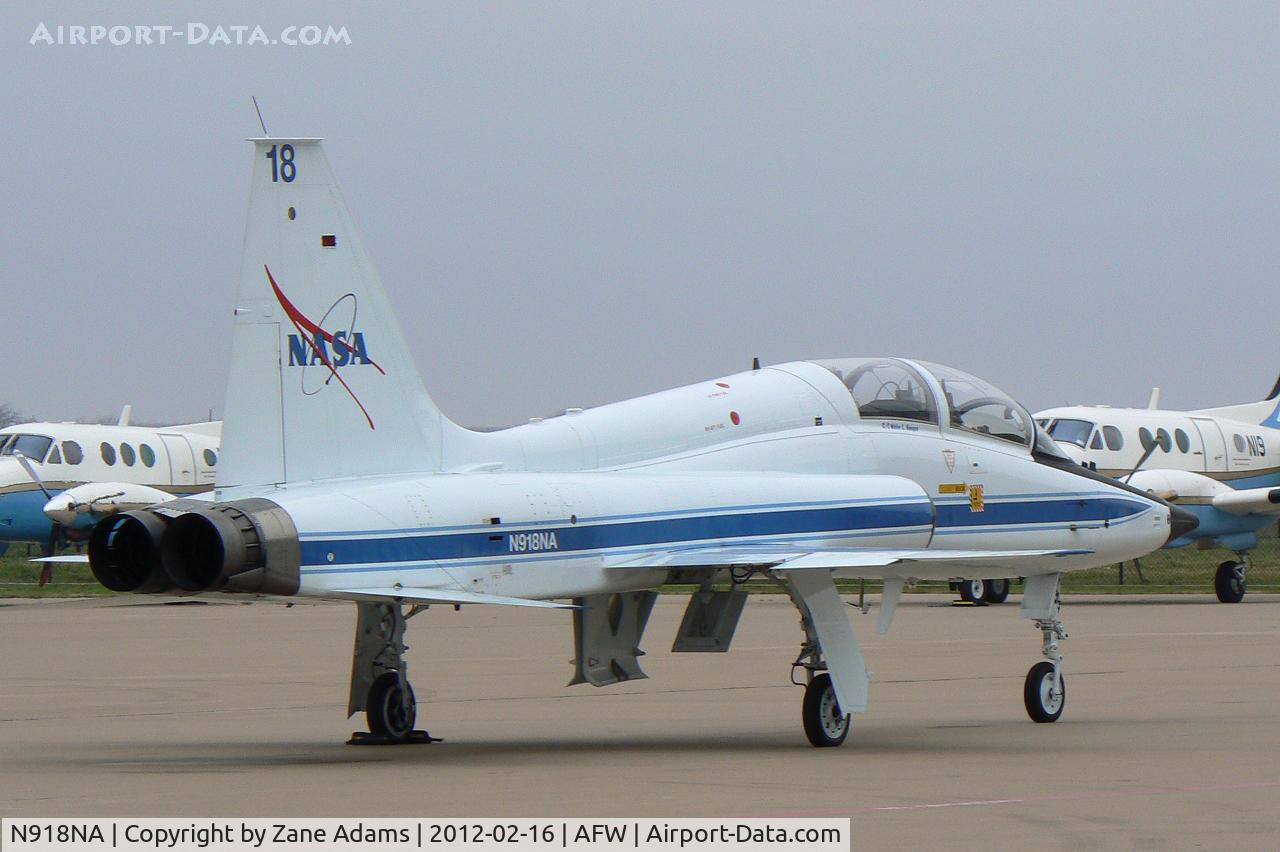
(1181, 523)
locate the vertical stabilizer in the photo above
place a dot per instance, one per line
(322, 384)
(1264, 412)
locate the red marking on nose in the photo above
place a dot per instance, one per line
(733, 415)
(721, 385)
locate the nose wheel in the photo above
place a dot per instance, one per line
(1045, 693)
(825, 724)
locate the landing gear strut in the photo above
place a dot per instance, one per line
(1229, 581)
(1045, 691)
(379, 677)
(835, 677)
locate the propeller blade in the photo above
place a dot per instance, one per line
(1151, 449)
(31, 472)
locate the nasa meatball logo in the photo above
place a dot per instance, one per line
(319, 353)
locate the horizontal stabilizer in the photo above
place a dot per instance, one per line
(81, 558)
(1251, 501)
(443, 596)
(995, 563)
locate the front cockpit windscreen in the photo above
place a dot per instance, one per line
(1072, 431)
(33, 447)
(885, 388)
(979, 407)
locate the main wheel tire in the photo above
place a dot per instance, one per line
(1229, 582)
(824, 723)
(973, 590)
(997, 591)
(1043, 705)
(387, 714)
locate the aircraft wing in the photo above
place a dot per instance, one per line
(794, 558)
(1249, 501)
(82, 558)
(443, 596)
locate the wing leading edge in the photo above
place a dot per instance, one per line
(986, 563)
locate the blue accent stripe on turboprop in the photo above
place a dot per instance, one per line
(497, 540)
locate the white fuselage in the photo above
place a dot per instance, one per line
(778, 455)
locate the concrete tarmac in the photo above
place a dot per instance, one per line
(1170, 738)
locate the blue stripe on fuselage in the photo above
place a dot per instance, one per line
(495, 541)
(1075, 510)
(569, 538)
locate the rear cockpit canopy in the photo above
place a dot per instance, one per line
(894, 389)
(886, 388)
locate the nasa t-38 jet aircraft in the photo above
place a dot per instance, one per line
(1219, 463)
(341, 479)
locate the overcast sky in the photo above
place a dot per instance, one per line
(572, 203)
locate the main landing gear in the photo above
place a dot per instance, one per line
(835, 677)
(1045, 690)
(1229, 582)
(985, 591)
(379, 677)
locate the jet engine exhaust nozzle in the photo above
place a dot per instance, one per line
(239, 546)
(192, 546)
(124, 553)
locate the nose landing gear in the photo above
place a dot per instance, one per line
(1045, 690)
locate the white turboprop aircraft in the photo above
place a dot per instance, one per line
(58, 479)
(341, 479)
(1219, 463)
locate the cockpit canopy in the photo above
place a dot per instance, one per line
(891, 388)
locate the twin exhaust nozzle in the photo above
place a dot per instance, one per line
(192, 546)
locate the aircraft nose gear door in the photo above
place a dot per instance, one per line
(836, 676)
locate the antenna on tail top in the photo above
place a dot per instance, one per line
(261, 123)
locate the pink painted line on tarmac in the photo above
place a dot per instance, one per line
(1050, 797)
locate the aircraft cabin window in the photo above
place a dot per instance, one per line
(72, 453)
(1238, 440)
(1163, 439)
(147, 454)
(34, 447)
(1115, 440)
(884, 387)
(1144, 435)
(108, 453)
(1071, 431)
(126, 455)
(1096, 443)
(55, 457)
(1183, 441)
(209, 458)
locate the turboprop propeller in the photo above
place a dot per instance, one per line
(46, 570)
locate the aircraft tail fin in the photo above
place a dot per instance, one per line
(322, 384)
(1265, 412)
